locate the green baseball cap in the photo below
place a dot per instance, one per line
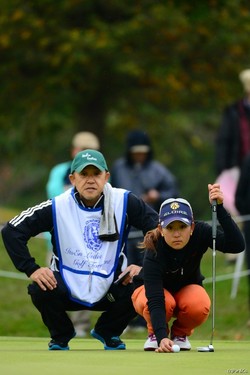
(88, 157)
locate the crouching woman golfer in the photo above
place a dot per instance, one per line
(172, 277)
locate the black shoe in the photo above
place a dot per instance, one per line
(60, 345)
(112, 343)
(56, 345)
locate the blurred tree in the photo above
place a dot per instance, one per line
(107, 66)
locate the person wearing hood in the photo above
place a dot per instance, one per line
(145, 177)
(138, 172)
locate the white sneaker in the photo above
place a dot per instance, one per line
(151, 343)
(182, 342)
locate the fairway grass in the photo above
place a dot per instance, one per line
(19, 356)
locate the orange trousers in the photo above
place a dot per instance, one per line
(190, 306)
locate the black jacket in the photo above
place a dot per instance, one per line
(242, 195)
(228, 141)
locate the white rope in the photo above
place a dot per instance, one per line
(139, 234)
(208, 280)
(13, 275)
(135, 234)
(227, 276)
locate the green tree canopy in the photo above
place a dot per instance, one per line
(109, 66)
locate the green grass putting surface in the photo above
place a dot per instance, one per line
(19, 356)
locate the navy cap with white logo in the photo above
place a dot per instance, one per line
(175, 209)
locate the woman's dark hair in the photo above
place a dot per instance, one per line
(150, 240)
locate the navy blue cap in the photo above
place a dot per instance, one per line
(175, 209)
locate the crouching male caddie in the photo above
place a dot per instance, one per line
(89, 224)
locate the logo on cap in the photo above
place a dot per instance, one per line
(88, 157)
(175, 209)
(174, 206)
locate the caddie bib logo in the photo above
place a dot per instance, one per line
(90, 235)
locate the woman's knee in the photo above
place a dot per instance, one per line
(194, 300)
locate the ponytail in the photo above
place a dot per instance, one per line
(150, 240)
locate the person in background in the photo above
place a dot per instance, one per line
(59, 182)
(242, 201)
(171, 270)
(233, 138)
(147, 178)
(89, 224)
(232, 146)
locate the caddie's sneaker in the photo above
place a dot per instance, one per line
(182, 342)
(60, 345)
(151, 343)
(111, 343)
(56, 345)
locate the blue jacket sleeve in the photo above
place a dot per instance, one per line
(55, 184)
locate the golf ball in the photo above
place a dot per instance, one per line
(175, 348)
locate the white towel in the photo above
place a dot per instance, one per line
(108, 228)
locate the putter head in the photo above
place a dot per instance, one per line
(206, 349)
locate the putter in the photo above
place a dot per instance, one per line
(210, 348)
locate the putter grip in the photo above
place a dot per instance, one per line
(214, 218)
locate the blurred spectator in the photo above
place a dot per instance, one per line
(232, 145)
(57, 183)
(58, 180)
(242, 201)
(233, 139)
(148, 179)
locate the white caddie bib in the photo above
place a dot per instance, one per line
(87, 264)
